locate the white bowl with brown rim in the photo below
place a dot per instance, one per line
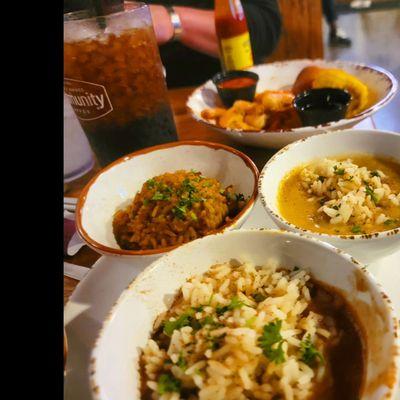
(115, 186)
(364, 247)
(114, 367)
(281, 75)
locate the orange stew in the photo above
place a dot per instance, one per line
(236, 83)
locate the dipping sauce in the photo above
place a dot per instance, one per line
(237, 83)
(353, 195)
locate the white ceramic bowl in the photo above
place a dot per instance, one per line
(114, 371)
(282, 75)
(366, 248)
(115, 186)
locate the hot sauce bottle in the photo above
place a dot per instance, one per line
(233, 35)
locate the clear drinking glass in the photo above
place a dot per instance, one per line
(78, 156)
(114, 79)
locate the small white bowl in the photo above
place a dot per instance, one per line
(115, 186)
(366, 248)
(281, 76)
(114, 369)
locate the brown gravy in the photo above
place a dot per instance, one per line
(345, 355)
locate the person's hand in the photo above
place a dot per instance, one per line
(161, 23)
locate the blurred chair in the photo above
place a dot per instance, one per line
(301, 31)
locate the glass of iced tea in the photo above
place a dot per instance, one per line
(114, 80)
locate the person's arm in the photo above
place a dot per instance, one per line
(264, 23)
(263, 20)
(198, 28)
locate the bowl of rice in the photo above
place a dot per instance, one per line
(340, 187)
(151, 201)
(249, 314)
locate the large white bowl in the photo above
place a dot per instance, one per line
(282, 75)
(114, 370)
(366, 248)
(115, 186)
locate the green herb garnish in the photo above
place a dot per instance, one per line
(183, 320)
(179, 211)
(160, 196)
(323, 200)
(389, 222)
(375, 173)
(258, 297)
(240, 197)
(296, 268)
(309, 353)
(193, 216)
(207, 184)
(168, 383)
(215, 342)
(181, 363)
(356, 229)
(321, 178)
(336, 207)
(151, 183)
(146, 202)
(271, 336)
(339, 171)
(370, 192)
(234, 304)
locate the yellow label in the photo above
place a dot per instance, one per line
(236, 52)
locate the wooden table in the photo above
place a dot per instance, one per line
(188, 129)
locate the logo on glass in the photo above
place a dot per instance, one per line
(89, 100)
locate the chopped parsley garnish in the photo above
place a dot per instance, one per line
(188, 186)
(207, 184)
(370, 192)
(349, 179)
(183, 320)
(160, 196)
(336, 207)
(151, 183)
(208, 320)
(179, 211)
(296, 268)
(375, 173)
(309, 353)
(258, 297)
(234, 304)
(271, 336)
(193, 216)
(240, 197)
(168, 383)
(181, 363)
(321, 178)
(323, 200)
(338, 171)
(145, 202)
(250, 321)
(215, 341)
(389, 222)
(356, 229)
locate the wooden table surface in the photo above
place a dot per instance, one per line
(188, 129)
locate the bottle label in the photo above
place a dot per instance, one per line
(236, 52)
(89, 100)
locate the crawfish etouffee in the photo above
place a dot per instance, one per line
(175, 208)
(352, 195)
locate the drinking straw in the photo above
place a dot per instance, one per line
(105, 7)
